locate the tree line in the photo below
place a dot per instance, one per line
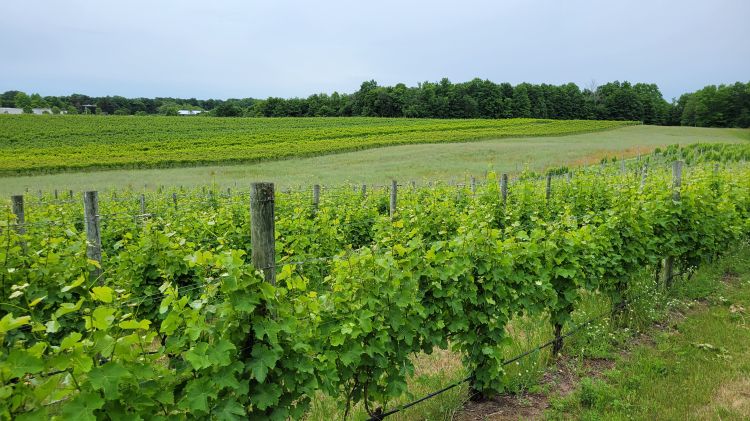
(712, 106)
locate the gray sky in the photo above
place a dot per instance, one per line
(235, 48)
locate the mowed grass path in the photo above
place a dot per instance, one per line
(44, 144)
(408, 162)
(697, 368)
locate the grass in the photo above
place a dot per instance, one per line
(408, 162)
(432, 372)
(698, 366)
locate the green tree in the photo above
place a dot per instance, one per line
(38, 102)
(8, 99)
(228, 109)
(22, 100)
(521, 101)
(169, 109)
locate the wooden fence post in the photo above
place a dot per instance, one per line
(20, 217)
(262, 237)
(676, 180)
(364, 190)
(504, 188)
(392, 208)
(143, 204)
(644, 175)
(548, 194)
(473, 185)
(56, 195)
(93, 234)
(174, 200)
(316, 196)
(623, 168)
(676, 186)
(70, 193)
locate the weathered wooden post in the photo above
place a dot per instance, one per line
(56, 195)
(70, 193)
(262, 237)
(548, 194)
(18, 211)
(676, 180)
(364, 190)
(143, 204)
(392, 208)
(93, 234)
(174, 200)
(504, 188)
(316, 196)
(473, 185)
(676, 186)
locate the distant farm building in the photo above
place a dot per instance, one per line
(37, 111)
(189, 112)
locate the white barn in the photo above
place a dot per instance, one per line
(189, 112)
(37, 111)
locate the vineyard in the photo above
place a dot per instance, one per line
(149, 305)
(48, 144)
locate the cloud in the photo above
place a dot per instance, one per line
(287, 48)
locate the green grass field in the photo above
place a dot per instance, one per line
(47, 144)
(698, 366)
(407, 162)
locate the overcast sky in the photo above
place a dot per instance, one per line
(248, 48)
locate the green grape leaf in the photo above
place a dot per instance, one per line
(107, 378)
(266, 396)
(21, 362)
(103, 294)
(264, 359)
(82, 407)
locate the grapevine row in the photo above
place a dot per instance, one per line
(65, 143)
(180, 324)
